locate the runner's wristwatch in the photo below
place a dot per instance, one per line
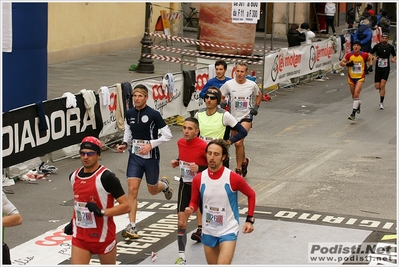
(250, 219)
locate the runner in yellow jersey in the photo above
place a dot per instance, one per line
(356, 63)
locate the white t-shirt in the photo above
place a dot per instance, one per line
(242, 97)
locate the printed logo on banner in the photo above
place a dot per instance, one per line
(162, 97)
(290, 59)
(312, 57)
(294, 62)
(108, 113)
(201, 80)
(274, 71)
(23, 140)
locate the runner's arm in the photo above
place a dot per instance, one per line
(127, 135)
(238, 183)
(229, 120)
(112, 185)
(166, 135)
(195, 194)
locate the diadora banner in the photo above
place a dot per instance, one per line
(23, 139)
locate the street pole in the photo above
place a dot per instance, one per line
(146, 65)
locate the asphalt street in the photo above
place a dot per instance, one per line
(319, 177)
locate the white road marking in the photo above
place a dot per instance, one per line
(54, 247)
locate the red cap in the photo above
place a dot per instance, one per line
(91, 142)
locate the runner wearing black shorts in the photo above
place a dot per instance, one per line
(191, 160)
(383, 51)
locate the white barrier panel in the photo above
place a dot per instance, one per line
(377, 34)
(172, 105)
(159, 99)
(108, 113)
(298, 61)
(348, 43)
(167, 104)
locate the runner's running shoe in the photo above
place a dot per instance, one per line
(351, 117)
(196, 236)
(381, 106)
(168, 191)
(244, 168)
(180, 261)
(238, 171)
(130, 232)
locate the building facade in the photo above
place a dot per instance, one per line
(82, 29)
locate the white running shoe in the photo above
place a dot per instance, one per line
(130, 232)
(381, 106)
(169, 191)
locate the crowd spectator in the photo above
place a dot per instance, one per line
(385, 22)
(367, 13)
(330, 10)
(350, 18)
(379, 16)
(295, 36)
(364, 35)
(309, 34)
(369, 8)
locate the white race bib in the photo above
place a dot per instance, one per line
(382, 62)
(357, 68)
(137, 144)
(185, 171)
(207, 139)
(84, 218)
(215, 217)
(241, 103)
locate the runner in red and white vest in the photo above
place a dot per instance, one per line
(95, 189)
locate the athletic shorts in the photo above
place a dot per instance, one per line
(137, 166)
(95, 247)
(353, 81)
(213, 241)
(381, 75)
(248, 119)
(184, 196)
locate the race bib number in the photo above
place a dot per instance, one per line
(215, 217)
(382, 62)
(185, 172)
(84, 218)
(357, 68)
(137, 144)
(207, 139)
(241, 103)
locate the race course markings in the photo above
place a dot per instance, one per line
(157, 225)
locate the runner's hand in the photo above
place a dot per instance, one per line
(68, 228)
(93, 208)
(370, 69)
(350, 64)
(254, 110)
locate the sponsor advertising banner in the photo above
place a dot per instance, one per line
(23, 140)
(298, 61)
